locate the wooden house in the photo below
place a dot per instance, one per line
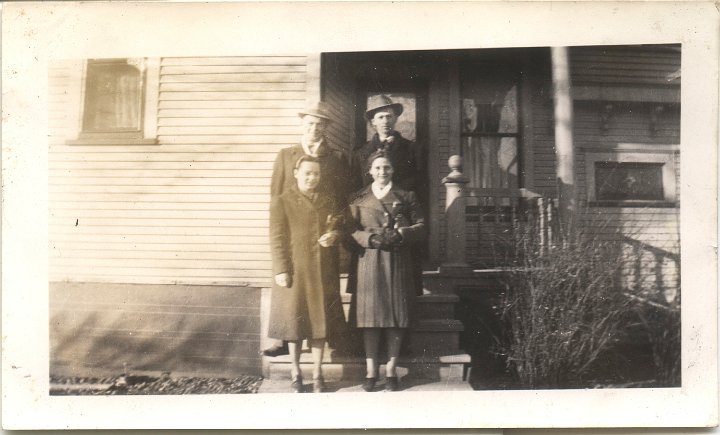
(159, 181)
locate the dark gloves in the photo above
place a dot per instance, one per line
(377, 241)
(393, 237)
(385, 241)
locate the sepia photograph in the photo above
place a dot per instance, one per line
(375, 223)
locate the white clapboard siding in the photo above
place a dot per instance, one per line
(192, 209)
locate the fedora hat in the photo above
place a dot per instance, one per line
(319, 109)
(378, 102)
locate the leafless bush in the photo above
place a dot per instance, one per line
(563, 308)
(661, 322)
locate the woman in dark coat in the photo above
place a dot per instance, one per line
(388, 224)
(305, 300)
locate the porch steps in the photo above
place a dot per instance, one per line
(447, 368)
(433, 354)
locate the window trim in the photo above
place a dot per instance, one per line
(147, 135)
(633, 153)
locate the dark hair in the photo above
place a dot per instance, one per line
(378, 155)
(306, 158)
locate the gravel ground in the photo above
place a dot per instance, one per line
(138, 385)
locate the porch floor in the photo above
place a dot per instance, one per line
(283, 386)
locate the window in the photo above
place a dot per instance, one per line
(623, 181)
(632, 175)
(113, 97)
(118, 100)
(490, 128)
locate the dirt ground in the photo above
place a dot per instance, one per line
(164, 384)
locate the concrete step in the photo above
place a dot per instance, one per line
(355, 386)
(448, 368)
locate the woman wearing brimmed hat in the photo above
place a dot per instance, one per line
(334, 182)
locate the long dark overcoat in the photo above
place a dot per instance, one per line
(311, 307)
(385, 283)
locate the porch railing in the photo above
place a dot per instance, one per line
(486, 225)
(499, 221)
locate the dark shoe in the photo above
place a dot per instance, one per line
(391, 383)
(297, 384)
(369, 384)
(276, 350)
(318, 385)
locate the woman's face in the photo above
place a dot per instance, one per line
(381, 171)
(308, 176)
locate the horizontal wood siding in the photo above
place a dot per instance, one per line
(191, 209)
(626, 65)
(651, 235)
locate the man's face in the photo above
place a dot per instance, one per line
(313, 127)
(384, 121)
(307, 176)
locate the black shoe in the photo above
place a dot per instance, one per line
(369, 384)
(276, 350)
(318, 385)
(297, 384)
(391, 383)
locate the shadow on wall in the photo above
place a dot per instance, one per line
(105, 328)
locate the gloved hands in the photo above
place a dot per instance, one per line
(393, 236)
(385, 241)
(377, 241)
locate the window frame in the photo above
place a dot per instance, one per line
(634, 153)
(149, 89)
(519, 136)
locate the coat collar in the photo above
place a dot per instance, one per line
(323, 150)
(320, 201)
(366, 198)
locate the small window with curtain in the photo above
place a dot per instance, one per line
(113, 98)
(490, 128)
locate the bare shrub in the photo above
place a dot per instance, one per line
(563, 308)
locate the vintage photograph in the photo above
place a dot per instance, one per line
(362, 214)
(471, 219)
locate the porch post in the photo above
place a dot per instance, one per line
(564, 150)
(455, 261)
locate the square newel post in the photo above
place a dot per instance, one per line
(455, 261)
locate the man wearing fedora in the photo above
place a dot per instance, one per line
(334, 168)
(383, 113)
(333, 161)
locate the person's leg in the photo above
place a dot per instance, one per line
(394, 338)
(317, 347)
(371, 340)
(294, 348)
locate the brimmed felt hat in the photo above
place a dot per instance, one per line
(319, 109)
(378, 102)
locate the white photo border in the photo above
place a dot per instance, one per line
(35, 33)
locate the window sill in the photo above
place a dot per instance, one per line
(112, 141)
(631, 203)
